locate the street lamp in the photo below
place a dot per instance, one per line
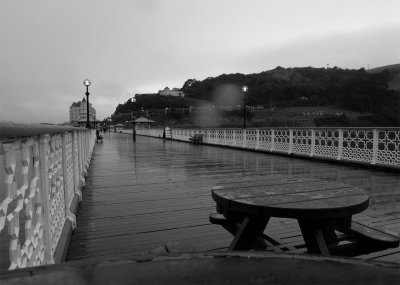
(244, 89)
(87, 83)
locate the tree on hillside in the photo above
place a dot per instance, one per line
(352, 89)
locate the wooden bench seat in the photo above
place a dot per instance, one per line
(361, 238)
(262, 242)
(219, 219)
(197, 138)
(375, 235)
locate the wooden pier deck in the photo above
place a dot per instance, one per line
(141, 197)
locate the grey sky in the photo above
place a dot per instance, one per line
(48, 47)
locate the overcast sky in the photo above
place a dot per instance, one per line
(48, 47)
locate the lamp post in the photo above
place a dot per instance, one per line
(244, 89)
(87, 83)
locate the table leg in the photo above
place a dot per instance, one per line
(316, 233)
(248, 231)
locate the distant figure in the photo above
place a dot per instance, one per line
(99, 138)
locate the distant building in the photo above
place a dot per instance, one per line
(78, 113)
(171, 92)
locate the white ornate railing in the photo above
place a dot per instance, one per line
(374, 146)
(40, 175)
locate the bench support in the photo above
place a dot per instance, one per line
(319, 235)
(247, 233)
(314, 237)
(233, 226)
(373, 235)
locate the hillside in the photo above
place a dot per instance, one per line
(394, 70)
(354, 90)
(155, 101)
(366, 95)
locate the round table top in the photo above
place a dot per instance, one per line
(290, 197)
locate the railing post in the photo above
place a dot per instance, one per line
(340, 145)
(312, 150)
(272, 140)
(68, 196)
(13, 219)
(45, 188)
(290, 141)
(81, 152)
(75, 160)
(244, 138)
(257, 146)
(375, 146)
(87, 152)
(225, 143)
(65, 172)
(234, 138)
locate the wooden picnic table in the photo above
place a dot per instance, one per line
(320, 206)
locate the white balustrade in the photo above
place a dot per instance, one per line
(251, 139)
(40, 175)
(375, 146)
(386, 147)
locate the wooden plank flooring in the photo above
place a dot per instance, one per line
(139, 197)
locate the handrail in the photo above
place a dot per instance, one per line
(10, 130)
(42, 170)
(373, 146)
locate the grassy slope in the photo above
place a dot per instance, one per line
(291, 115)
(394, 69)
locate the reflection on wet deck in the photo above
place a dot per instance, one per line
(142, 196)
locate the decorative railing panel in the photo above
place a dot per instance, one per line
(358, 145)
(219, 137)
(54, 186)
(282, 141)
(212, 135)
(239, 138)
(21, 210)
(229, 137)
(302, 141)
(379, 146)
(68, 158)
(326, 143)
(75, 160)
(388, 150)
(265, 139)
(250, 138)
(39, 178)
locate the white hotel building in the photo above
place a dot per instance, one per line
(77, 112)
